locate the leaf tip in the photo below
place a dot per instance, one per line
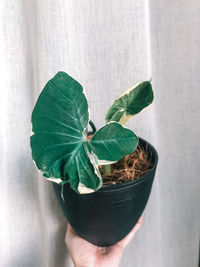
(82, 189)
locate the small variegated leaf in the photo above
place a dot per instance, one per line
(113, 141)
(130, 103)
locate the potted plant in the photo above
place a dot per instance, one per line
(101, 212)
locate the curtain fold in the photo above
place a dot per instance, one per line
(107, 46)
(175, 44)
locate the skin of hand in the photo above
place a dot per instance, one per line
(85, 254)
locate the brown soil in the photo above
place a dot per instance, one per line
(129, 168)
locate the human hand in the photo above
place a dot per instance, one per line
(85, 254)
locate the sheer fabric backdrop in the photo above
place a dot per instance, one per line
(107, 46)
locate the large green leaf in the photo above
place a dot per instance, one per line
(59, 122)
(130, 103)
(113, 141)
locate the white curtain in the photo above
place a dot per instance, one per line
(107, 46)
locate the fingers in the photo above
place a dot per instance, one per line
(70, 233)
(70, 229)
(125, 241)
(72, 238)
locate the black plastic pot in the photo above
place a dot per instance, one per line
(106, 216)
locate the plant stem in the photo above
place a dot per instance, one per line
(94, 129)
(107, 169)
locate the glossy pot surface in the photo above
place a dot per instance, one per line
(107, 215)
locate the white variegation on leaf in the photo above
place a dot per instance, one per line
(55, 180)
(82, 189)
(106, 162)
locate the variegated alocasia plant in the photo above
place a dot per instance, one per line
(60, 147)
